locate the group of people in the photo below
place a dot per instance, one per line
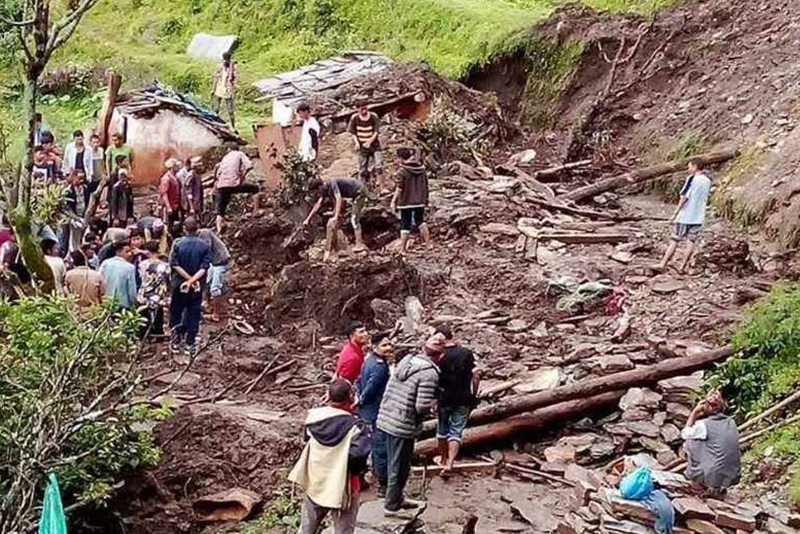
(411, 187)
(375, 412)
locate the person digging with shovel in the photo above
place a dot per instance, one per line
(338, 190)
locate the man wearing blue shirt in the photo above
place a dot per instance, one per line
(371, 385)
(690, 215)
(189, 259)
(119, 275)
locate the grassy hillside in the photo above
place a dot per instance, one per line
(145, 39)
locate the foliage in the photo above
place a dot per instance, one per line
(283, 513)
(295, 177)
(65, 393)
(766, 367)
(47, 203)
(794, 488)
(782, 443)
(445, 132)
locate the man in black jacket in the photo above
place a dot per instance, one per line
(332, 462)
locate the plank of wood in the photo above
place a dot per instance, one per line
(465, 467)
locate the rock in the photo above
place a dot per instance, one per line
(644, 428)
(666, 457)
(540, 330)
(499, 229)
(615, 363)
(693, 508)
(540, 380)
(517, 325)
(554, 468)
(622, 257)
(632, 509)
(667, 287)
(603, 448)
(523, 158)
(563, 454)
(534, 513)
(636, 414)
(576, 473)
(670, 433)
(640, 398)
(230, 505)
(747, 119)
(728, 516)
(679, 412)
(703, 527)
(776, 527)
(414, 311)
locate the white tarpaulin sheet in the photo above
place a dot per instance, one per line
(210, 47)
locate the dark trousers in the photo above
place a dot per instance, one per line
(155, 322)
(184, 313)
(379, 460)
(398, 454)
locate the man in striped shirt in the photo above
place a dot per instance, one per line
(365, 128)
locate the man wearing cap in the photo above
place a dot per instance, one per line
(169, 192)
(409, 398)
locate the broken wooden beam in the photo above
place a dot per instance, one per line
(516, 427)
(464, 467)
(641, 176)
(641, 376)
(574, 238)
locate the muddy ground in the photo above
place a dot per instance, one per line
(232, 430)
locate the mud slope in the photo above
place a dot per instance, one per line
(702, 75)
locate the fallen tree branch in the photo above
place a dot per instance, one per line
(642, 376)
(519, 427)
(646, 174)
(784, 403)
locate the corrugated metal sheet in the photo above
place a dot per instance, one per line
(291, 87)
(210, 47)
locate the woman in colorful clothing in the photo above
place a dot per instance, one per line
(154, 273)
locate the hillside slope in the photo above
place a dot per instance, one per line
(146, 39)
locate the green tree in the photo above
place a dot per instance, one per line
(42, 27)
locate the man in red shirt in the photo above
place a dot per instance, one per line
(169, 193)
(351, 359)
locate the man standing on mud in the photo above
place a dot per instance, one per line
(371, 386)
(365, 127)
(190, 260)
(410, 396)
(411, 197)
(337, 190)
(332, 463)
(690, 215)
(351, 359)
(458, 389)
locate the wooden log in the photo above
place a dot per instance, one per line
(574, 238)
(639, 377)
(641, 176)
(519, 426)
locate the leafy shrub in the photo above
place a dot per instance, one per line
(295, 177)
(65, 403)
(446, 133)
(767, 365)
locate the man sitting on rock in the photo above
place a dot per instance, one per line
(712, 445)
(332, 462)
(338, 190)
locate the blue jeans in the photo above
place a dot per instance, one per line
(185, 311)
(452, 422)
(217, 276)
(379, 460)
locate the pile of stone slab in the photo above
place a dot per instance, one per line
(598, 508)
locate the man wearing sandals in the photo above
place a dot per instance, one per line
(690, 215)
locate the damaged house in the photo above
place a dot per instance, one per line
(158, 124)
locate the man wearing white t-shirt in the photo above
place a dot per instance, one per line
(309, 137)
(689, 217)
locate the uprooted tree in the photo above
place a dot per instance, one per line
(39, 38)
(70, 397)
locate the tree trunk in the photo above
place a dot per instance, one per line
(520, 426)
(21, 216)
(643, 175)
(642, 376)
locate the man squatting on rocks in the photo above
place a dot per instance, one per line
(690, 215)
(410, 397)
(332, 462)
(712, 446)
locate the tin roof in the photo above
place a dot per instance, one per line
(292, 87)
(146, 103)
